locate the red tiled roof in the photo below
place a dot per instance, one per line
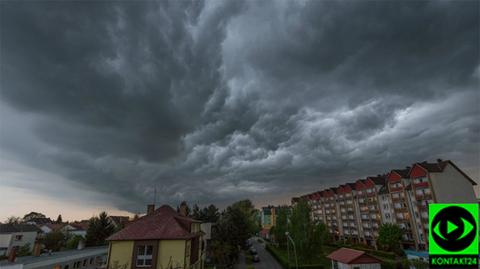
(164, 223)
(352, 256)
(55, 226)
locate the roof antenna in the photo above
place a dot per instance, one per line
(155, 196)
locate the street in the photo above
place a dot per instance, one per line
(267, 261)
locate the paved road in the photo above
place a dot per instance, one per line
(266, 259)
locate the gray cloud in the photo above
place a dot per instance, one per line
(214, 101)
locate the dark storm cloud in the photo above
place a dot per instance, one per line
(213, 101)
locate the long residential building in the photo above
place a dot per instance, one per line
(355, 211)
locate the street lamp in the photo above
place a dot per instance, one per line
(294, 249)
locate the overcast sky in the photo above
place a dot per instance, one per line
(216, 101)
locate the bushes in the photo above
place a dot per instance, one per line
(284, 262)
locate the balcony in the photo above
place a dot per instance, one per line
(420, 185)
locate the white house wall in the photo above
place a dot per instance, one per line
(452, 187)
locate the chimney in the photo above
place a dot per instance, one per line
(150, 209)
(183, 209)
(37, 249)
(13, 255)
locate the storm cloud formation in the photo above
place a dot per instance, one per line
(211, 101)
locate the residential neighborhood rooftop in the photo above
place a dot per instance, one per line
(56, 256)
(15, 228)
(352, 256)
(163, 223)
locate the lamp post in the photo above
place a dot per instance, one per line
(294, 249)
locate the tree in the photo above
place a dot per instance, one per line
(59, 219)
(309, 237)
(72, 242)
(281, 226)
(24, 250)
(234, 226)
(211, 213)
(389, 237)
(99, 229)
(54, 241)
(196, 213)
(13, 220)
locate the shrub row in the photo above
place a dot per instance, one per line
(284, 263)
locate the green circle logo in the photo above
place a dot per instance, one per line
(453, 228)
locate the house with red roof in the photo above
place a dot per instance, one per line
(346, 258)
(161, 239)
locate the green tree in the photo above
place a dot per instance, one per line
(59, 219)
(13, 220)
(319, 237)
(281, 226)
(299, 227)
(196, 212)
(211, 213)
(99, 229)
(24, 250)
(54, 241)
(72, 242)
(389, 237)
(309, 237)
(234, 226)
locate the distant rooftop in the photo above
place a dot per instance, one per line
(57, 257)
(17, 228)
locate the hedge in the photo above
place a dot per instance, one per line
(284, 263)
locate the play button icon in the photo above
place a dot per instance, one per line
(451, 227)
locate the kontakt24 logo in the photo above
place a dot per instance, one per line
(453, 235)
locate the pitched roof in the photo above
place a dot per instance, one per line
(164, 223)
(18, 228)
(39, 221)
(352, 256)
(402, 172)
(378, 180)
(55, 226)
(440, 165)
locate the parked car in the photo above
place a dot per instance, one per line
(256, 258)
(253, 251)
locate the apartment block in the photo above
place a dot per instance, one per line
(355, 211)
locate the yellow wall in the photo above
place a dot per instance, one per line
(171, 252)
(120, 253)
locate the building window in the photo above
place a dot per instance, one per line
(18, 237)
(84, 263)
(144, 256)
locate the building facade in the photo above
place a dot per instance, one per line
(355, 211)
(17, 236)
